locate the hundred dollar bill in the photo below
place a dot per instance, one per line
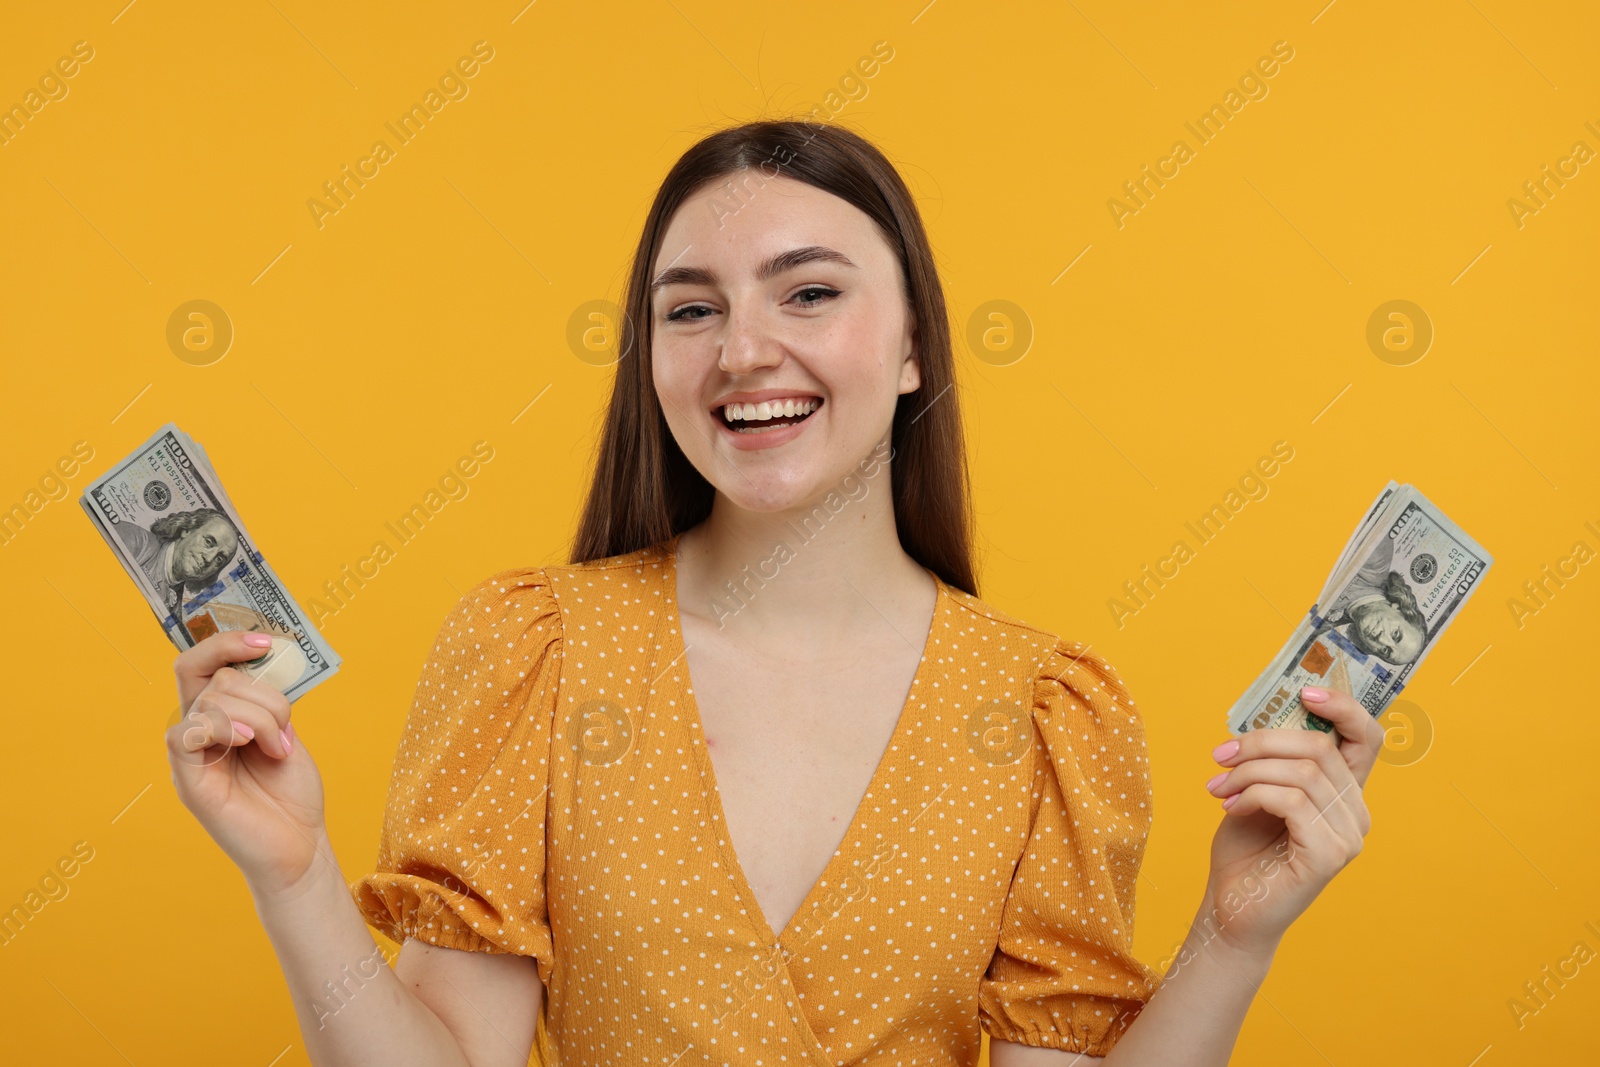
(165, 516)
(1399, 583)
(1356, 538)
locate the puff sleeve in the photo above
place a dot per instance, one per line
(1063, 974)
(461, 859)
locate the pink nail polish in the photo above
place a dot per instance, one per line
(1311, 692)
(288, 742)
(1224, 750)
(258, 640)
(1229, 802)
(242, 730)
(1212, 785)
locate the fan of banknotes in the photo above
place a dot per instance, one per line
(1402, 577)
(167, 518)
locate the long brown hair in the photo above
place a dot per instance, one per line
(645, 490)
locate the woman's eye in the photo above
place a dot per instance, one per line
(825, 291)
(810, 296)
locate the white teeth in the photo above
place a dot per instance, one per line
(771, 409)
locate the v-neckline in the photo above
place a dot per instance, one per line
(676, 647)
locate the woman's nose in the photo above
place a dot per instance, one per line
(748, 344)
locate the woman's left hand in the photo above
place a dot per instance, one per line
(1294, 818)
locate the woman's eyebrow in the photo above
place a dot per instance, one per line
(776, 265)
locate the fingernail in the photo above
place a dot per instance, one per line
(242, 730)
(258, 640)
(1224, 750)
(1229, 802)
(1212, 785)
(1311, 692)
(288, 742)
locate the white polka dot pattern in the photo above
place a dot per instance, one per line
(552, 797)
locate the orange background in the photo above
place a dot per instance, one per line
(1228, 313)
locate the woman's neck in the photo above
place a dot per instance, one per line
(824, 568)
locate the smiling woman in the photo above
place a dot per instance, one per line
(860, 297)
(868, 817)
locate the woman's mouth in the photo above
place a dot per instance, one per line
(768, 415)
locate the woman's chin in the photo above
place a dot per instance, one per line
(765, 504)
(773, 498)
(800, 483)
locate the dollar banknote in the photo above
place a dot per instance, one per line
(1400, 580)
(164, 514)
(1356, 538)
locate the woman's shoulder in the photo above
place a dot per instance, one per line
(649, 559)
(532, 594)
(1060, 663)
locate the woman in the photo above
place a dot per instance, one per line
(883, 816)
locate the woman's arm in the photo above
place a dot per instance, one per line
(1294, 819)
(438, 1007)
(1195, 1020)
(240, 772)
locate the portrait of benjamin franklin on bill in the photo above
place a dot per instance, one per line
(1377, 611)
(182, 553)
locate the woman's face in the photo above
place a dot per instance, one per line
(791, 294)
(1385, 633)
(203, 551)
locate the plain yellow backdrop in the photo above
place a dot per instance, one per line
(1170, 347)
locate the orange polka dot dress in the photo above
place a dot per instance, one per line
(553, 797)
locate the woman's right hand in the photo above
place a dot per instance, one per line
(238, 769)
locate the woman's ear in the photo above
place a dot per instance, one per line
(910, 366)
